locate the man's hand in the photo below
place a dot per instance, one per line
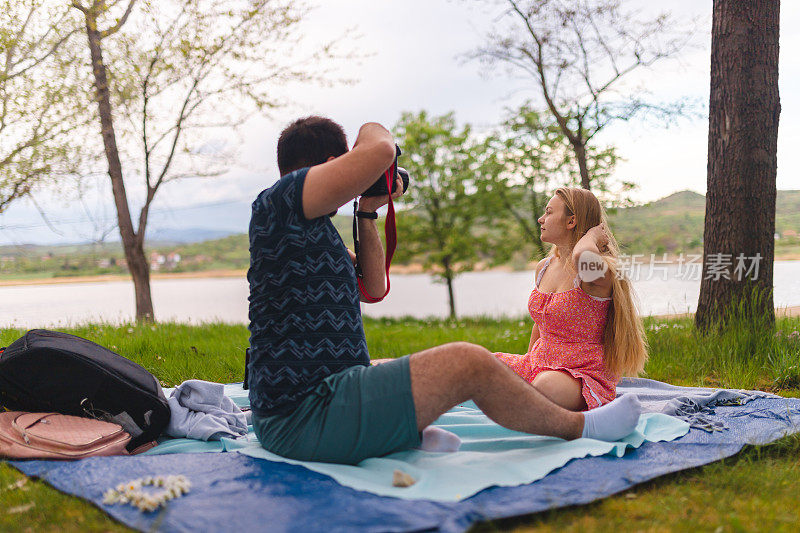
(330, 185)
(373, 203)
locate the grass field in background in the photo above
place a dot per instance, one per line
(756, 490)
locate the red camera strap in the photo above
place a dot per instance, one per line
(390, 230)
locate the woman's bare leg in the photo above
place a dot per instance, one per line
(561, 388)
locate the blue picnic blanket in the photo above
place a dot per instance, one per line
(232, 490)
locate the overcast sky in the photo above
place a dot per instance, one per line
(415, 62)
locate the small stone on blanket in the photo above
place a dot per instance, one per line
(401, 479)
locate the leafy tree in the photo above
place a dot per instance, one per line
(441, 225)
(523, 162)
(168, 76)
(40, 98)
(580, 56)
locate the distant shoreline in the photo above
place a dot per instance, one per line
(124, 277)
(415, 268)
(793, 311)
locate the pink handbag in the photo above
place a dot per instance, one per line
(56, 436)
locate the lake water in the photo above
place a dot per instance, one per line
(208, 299)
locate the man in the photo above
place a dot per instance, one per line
(313, 393)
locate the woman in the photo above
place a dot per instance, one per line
(587, 333)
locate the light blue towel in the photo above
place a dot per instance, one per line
(490, 455)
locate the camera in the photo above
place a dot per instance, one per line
(379, 188)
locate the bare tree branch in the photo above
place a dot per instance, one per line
(36, 86)
(116, 27)
(577, 54)
(79, 6)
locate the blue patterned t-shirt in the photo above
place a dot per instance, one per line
(305, 315)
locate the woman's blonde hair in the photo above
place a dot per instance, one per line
(624, 340)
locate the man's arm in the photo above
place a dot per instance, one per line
(373, 258)
(331, 185)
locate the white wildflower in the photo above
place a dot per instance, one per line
(133, 493)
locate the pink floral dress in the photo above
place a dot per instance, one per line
(571, 325)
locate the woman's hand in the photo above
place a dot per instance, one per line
(587, 256)
(600, 236)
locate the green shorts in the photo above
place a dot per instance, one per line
(358, 413)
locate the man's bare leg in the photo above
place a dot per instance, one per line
(447, 375)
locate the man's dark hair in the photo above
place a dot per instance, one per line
(309, 141)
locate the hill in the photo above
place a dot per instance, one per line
(787, 212)
(672, 225)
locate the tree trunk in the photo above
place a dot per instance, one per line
(583, 166)
(448, 276)
(742, 161)
(134, 250)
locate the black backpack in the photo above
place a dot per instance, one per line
(50, 371)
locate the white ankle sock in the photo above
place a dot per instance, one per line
(614, 420)
(436, 439)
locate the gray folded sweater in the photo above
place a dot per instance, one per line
(200, 410)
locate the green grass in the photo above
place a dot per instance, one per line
(756, 490)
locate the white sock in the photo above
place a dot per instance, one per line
(436, 439)
(614, 420)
